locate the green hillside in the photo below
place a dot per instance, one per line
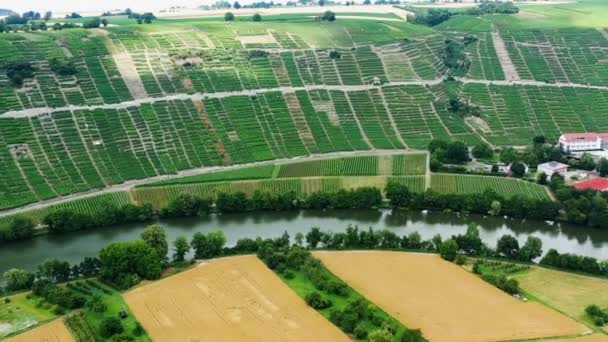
(179, 94)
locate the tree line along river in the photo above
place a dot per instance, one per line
(74, 247)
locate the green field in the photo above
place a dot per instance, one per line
(469, 184)
(566, 292)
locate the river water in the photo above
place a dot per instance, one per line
(73, 247)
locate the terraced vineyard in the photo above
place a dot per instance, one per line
(469, 184)
(154, 100)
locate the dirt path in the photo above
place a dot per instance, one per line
(503, 57)
(32, 112)
(128, 185)
(127, 69)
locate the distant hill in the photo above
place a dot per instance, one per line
(5, 12)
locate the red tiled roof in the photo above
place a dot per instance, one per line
(570, 137)
(599, 184)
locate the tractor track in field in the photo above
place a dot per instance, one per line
(128, 185)
(38, 111)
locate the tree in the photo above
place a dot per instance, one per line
(16, 279)
(228, 16)
(380, 335)
(542, 178)
(180, 248)
(104, 22)
(110, 326)
(92, 23)
(495, 208)
(602, 167)
(399, 195)
(482, 150)
(508, 246)
(539, 140)
(125, 263)
(208, 246)
(313, 237)
(457, 152)
(448, 250)
(21, 227)
(299, 239)
(518, 169)
(367, 2)
(257, 17)
(321, 3)
(155, 236)
(55, 270)
(236, 5)
(328, 16)
(187, 205)
(532, 249)
(48, 15)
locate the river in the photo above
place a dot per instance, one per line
(73, 247)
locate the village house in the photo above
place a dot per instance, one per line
(553, 167)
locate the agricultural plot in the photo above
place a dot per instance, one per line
(55, 331)
(567, 292)
(22, 313)
(235, 298)
(573, 55)
(426, 292)
(96, 81)
(470, 184)
(399, 164)
(84, 205)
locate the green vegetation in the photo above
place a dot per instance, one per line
(499, 274)
(332, 297)
(103, 305)
(470, 184)
(21, 312)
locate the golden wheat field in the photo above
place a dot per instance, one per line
(228, 299)
(444, 300)
(54, 331)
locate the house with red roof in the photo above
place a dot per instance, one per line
(598, 184)
(577, 142)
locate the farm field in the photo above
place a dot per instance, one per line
(445, 301)
(235, 298)
(55, 331)
(567, 292)
(466, 184)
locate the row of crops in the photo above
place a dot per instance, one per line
(515, 113)
(470, 184)
(47, 156)
(566, 55)
(401, 164)
(97, 80)
(86, 205)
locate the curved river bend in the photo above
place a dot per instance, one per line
(73, 247)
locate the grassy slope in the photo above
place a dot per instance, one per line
(566, 292)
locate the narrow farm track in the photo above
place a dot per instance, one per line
(33, 112)
(192, 172)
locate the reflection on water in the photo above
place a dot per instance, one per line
(73, 247)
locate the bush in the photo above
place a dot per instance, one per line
(110, 326)
(257, 17)
(460, 259)
(448, 250)
(360, 332)
(228, 16)
(316, 301)
(597, 315)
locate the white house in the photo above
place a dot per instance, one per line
(576, 142)
(553, 167)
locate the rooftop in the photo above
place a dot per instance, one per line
(553, 165)
(572, 137)
(599, 184)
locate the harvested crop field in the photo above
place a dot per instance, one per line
(55, 331)
(228, 299)
(443, 300)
